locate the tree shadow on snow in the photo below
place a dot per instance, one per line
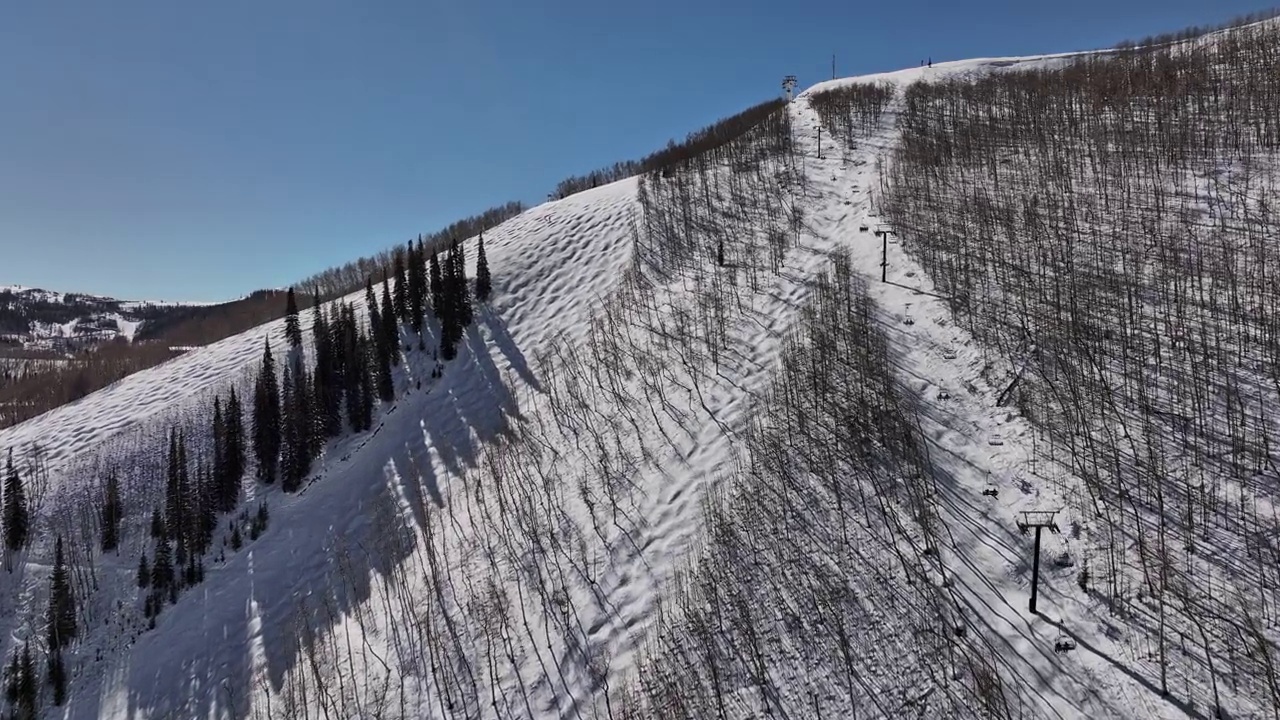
(497, 328)
(251, 622)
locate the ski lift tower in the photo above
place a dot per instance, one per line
(1037, 520)
(789, 84)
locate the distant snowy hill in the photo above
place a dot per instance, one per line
(35, 319)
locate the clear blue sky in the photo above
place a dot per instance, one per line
(165, 149)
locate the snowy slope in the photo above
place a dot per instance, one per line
(509, 539)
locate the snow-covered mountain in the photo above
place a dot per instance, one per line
(719, 448)
(37, 319)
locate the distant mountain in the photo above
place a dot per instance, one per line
(34, 319)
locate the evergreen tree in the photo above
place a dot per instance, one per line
(228, 487)
(401, 294)
(28, 703)
(371, 304)
(484, 284)
(461, 290)
(417, 287)
(62, 602)
(353, 370)
(289, 441)
(382, 369)
(448, 307)
(144, 572)
(390, 328)
(266, 419)
(318, 430)
(162, 566)
(297, 447)
(366, 383)
(292, 330)
(437, 288)
(456, 302)
(221, 466)
(305, 412)
(111, 513)
(340, 329)
(176, 492)
(57, 678)
(327, 398)
(208, 494)
(17, 519)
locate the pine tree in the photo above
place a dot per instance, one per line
(292, 330)
(17, 519)
(289, 442)
(417, 287)
(228, 490)
(340, 329)
(401, 293)
(187, 511)
(57, 678)
(207, 497)
(304, 419)
(144, 572)
(162, 566)
(378, 356)
(366, 383)
(221, 465)
(390, 328)
(327, 394)
(298, 445)
(28, 703)
(456, 302)
(176, 492)
(354, 370)
(111, 513)
(461, 290)
(266, 419)
(62, 602)
(386, 389)
(371, 303)
(448, 307)
(484, 284)
(437, 288)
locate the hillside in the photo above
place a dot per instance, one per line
(702, 455)
(33, 320)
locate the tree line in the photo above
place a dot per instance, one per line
(298, 405)
(696, 143)
(349, 277)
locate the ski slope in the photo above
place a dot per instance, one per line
(403, 535)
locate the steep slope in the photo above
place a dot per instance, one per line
(549, 266)
(694, 460)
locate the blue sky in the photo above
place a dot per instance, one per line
(157, 149)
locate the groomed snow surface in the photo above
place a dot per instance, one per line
(400, 530)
